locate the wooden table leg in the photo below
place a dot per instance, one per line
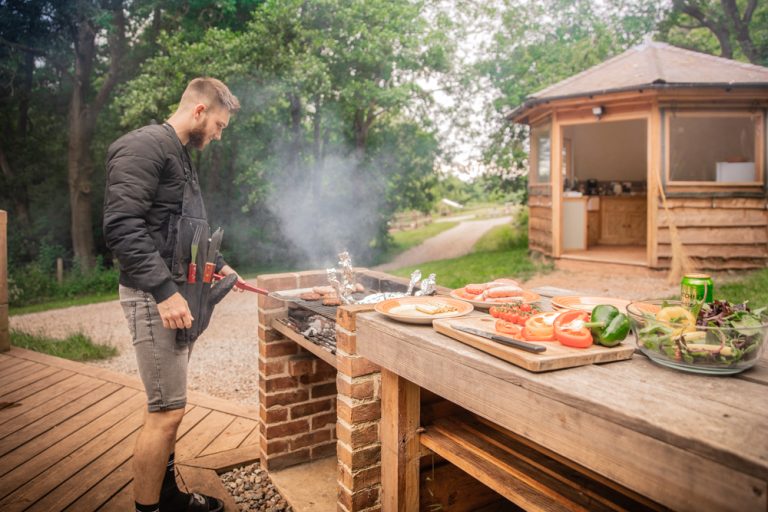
(400, 409)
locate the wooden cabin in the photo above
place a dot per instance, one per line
(607, 141)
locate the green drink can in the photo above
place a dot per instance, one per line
(695, 288)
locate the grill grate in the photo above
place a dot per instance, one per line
(328, 312)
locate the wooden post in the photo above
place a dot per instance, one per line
(59, 270)
(5, 340)
(400, 449)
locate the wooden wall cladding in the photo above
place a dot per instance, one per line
(718, 233)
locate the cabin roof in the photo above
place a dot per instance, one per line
(652, 65)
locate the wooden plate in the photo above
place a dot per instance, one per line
(404, 309)
(526, 297)
(587, 303)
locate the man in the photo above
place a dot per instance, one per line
(151, 185)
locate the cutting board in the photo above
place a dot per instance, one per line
(556, 356)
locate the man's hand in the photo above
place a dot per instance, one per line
(175, 312)
(226, 270)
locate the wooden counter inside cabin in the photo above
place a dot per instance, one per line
(682, 440)
(623, 220)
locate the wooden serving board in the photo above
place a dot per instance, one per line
(556, 356)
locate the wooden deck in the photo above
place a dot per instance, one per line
(67, 432)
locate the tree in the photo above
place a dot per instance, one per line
(25, 35)
(326, 86)
(738, 29)
(86, 21)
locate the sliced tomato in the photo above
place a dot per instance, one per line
(510, 316)
(495, 311)
(505, 327)
(570, 330)
(540, 327)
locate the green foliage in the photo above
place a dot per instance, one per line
(507, 237)
(679, 26)
(77, 347)
(329, 131)
(36, 283)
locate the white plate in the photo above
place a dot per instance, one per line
(404, 309)
(587, 303)
(526, 297)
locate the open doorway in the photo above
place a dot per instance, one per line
(605, 191)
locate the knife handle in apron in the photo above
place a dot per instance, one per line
(208, 272)
(192, 274)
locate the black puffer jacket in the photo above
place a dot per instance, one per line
(142, 202)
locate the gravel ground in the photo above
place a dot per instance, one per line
(253, 490)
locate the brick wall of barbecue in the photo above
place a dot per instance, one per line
(358, 407)
(297, 390)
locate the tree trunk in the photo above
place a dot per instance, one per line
(716, 24)
(741, 27)
(79, 164)
(82, 124)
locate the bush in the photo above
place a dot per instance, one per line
(33, 284)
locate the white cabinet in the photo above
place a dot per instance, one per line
(574, 223)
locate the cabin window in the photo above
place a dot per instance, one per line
(718, 147)
(540, 153)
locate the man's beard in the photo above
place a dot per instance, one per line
(197, 137)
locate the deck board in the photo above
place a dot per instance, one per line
(43, 402)
(33, 388)
(58, 421)
(66, 443)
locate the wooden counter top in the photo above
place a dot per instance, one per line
(687, 441)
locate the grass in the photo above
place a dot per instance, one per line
(77, 347)
(62, 303)
(501, 252)
(752, 287)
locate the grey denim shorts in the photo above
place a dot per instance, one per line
(162, 363)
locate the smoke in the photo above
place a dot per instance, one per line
(328, 206)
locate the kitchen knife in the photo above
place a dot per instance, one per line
(210, 260)
(504, 340)
(192, 273)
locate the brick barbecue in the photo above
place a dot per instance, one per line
(314, 403)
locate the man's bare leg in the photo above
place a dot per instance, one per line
(150, 456)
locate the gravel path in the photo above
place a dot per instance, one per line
(451, 243)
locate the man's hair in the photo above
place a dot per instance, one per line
(214, 91)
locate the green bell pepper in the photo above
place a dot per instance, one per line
(608, 325)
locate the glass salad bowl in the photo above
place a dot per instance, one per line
(732, 340)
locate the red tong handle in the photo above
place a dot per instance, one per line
(245, 286)
(192, 274)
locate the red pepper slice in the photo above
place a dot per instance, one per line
(539, 327)
(570, 330)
